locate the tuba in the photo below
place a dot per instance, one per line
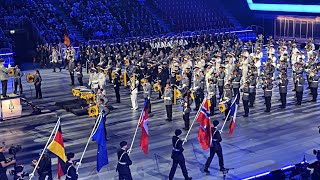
(11, 72)
(93, 111)
(30, 78)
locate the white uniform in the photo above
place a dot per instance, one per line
(134, 95)
(294, 55)
(93, 81)
(102, 80)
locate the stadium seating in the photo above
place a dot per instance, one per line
(192, 15)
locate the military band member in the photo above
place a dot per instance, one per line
(134, 92)
(220, 83)
(79, 73)
(71, 67)
(235, 79)
(168, 96)
(124, 162)
(102, 80)
(93, 79)
(4, 76)
(116, 84)
(187, 109)
(299, 88)
(147, 89)
(252, 89)
(55, 59)
(212, 94)
(215, 148)
(37, 84)
(177, 156)
(245, 98)
(227, 95)
(283, 88)
(314, 85)
(197, 89)
(184, 83)
(17, 79)
(267, 89)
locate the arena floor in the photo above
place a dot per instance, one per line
(262, 142)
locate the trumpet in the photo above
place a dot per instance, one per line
(113, 75)
(30, 78)
(105, 71)
(93, 111)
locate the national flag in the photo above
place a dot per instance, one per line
(100, 137)
(57, 148)
(66, 39)
(144, 142)
(204, 133)
(233, 115)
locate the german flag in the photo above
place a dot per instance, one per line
(66, 39)
(57, 148)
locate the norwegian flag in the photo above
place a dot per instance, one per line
(204, 133)
(144, 142)
(233, 115)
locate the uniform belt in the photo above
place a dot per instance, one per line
(237, 82)
(215, 140)
(268, 90)
(245, 93)
(283, 86)
(175, 149)
(69, 176)
(122, 163)
(315, 81)
(252, 86)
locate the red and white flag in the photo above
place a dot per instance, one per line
(233, 115)
(204, 133)
(144, 142)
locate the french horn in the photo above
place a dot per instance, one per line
(30, 78)
(156, 87)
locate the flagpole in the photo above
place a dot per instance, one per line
(92, 132)
(194, 120)
(135, 133)
(225, 121)
(54, 131)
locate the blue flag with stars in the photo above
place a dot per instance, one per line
(100, 137)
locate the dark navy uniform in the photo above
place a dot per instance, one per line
(245, 99)
(267, 89)
(215, 148)
(236, 86)
(299, 89)
(116, 85)
(220, 83)
(314, 87)
(71, 172)
(177, 157)
(283, 88)
(123, 165)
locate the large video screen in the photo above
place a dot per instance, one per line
(301, 6)
(304, 2)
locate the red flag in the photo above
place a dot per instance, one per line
(233, 115)
(144, 126)
(204, 134)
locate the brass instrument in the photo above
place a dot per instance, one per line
(93, 111)
(11, 72)
(178, 77)
(156, 87)
(222, 106)
(113, 75)
(90, 98)
(143, 81)
(105, 71)
(84, 93)
(30, 78)
(126, 62)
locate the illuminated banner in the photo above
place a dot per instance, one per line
(284, 7)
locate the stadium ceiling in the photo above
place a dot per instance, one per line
(284, 7)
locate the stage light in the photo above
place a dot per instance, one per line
(284, 7)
